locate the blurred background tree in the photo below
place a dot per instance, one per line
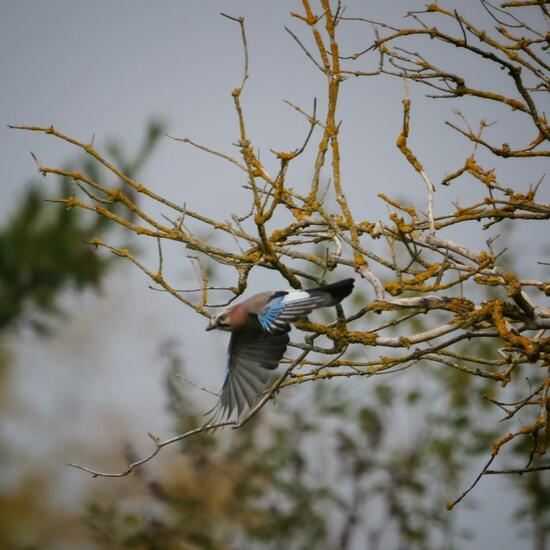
(41, 252)
(42, 257)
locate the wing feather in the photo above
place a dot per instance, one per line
(248, 390)
(292, 306)
(252, 354)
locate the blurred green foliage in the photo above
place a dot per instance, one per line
(327, 472)
(345, 466)
(41, 254)
(41, 246)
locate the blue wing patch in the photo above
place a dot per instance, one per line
(227, 371)
(268, 317)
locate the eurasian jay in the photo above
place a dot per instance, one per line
(259, 329)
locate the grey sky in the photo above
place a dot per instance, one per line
(103, 68)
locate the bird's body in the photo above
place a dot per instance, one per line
(259, 329)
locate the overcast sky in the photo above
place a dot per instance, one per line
(105, 68)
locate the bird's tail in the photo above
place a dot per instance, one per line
(337, 291)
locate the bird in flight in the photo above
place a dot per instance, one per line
(259, 329)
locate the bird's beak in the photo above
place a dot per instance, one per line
(211, 325)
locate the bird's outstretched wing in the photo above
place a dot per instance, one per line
(288, 306)
(253, 353)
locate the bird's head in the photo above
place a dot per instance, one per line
(221, 321)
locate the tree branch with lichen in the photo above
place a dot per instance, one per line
(416, 277)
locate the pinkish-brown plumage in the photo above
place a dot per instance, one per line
(238, 315)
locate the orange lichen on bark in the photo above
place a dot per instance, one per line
(409, 210)
(400, 224)
(339, 334)
(506, 334)
(487, 177)
(416, 282)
